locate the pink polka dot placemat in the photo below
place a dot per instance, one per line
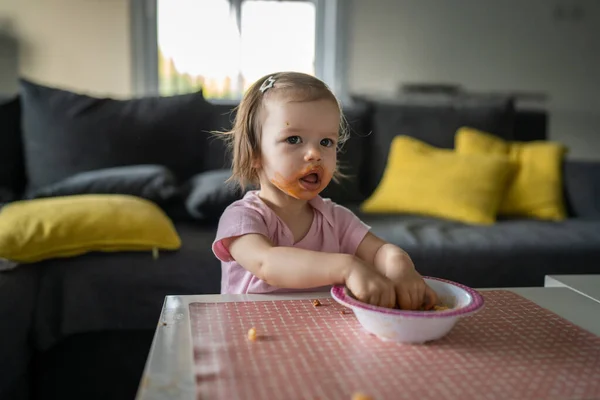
(512, 349)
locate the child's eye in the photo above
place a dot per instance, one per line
(293, 140)
(327, 142)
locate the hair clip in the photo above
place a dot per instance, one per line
(267, 84)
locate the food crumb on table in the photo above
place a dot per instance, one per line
(252, 336)
(316, 303)
(361, 396)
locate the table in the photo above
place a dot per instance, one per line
(169, 369)
(587, 285)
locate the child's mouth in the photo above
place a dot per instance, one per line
(311, 181)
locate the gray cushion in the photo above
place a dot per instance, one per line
(66, 133)
(209, 194)
(152, 182)
(509, 253)
(121, 291)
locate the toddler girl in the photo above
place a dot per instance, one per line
(284, 237)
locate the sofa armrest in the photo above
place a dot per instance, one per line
(582, 188)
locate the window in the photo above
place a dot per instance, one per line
(224, 46)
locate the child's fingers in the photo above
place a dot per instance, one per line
(420, 296)
(404, 300)
(431, 296)
(374, 299)
(382, 300)
(415, 293)
(414, 301)
(391, 298)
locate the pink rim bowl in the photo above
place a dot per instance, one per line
(414, 326)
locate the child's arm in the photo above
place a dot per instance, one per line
(396, 264)
(293, 268)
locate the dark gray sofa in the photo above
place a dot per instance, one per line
(83, 326)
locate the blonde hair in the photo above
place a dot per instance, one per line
(243, 139)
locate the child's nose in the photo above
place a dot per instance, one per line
(313, 154)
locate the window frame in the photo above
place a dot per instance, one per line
(330, 48)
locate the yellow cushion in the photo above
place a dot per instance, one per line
(536, 189)
(422, 179)
(34, 230)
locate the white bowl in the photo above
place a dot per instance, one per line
(414, 326)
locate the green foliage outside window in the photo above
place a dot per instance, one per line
(172, 82)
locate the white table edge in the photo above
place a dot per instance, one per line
(168, 372)
(556, 281)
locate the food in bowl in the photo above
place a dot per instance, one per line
(414, 326)
(435, 307)
(438, 308)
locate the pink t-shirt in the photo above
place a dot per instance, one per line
(334, 229)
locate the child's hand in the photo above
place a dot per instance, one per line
(369, 286)
(412, 292)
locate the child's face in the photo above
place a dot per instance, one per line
(298, 146)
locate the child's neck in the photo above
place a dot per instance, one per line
(296, 214)
(283, 204)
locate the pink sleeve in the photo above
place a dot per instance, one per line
(350, 229)
(237, 220)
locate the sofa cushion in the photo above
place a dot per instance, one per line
(427, 180)
(35, 230)
(209, 194)
(65, 133)
(582, 188)
(151, 182)
(12, 164)
(536, 189)
(434, 120)
(351, 157)
(509, 253)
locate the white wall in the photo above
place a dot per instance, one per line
(487, 45)
(81, 45)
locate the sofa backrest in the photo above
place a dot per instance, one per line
(65, 133)
(12, 164)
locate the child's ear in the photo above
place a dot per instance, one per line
(256, 164)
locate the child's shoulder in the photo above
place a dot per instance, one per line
(330, 209)
(249, 204)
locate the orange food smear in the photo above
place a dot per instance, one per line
(292, 186)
